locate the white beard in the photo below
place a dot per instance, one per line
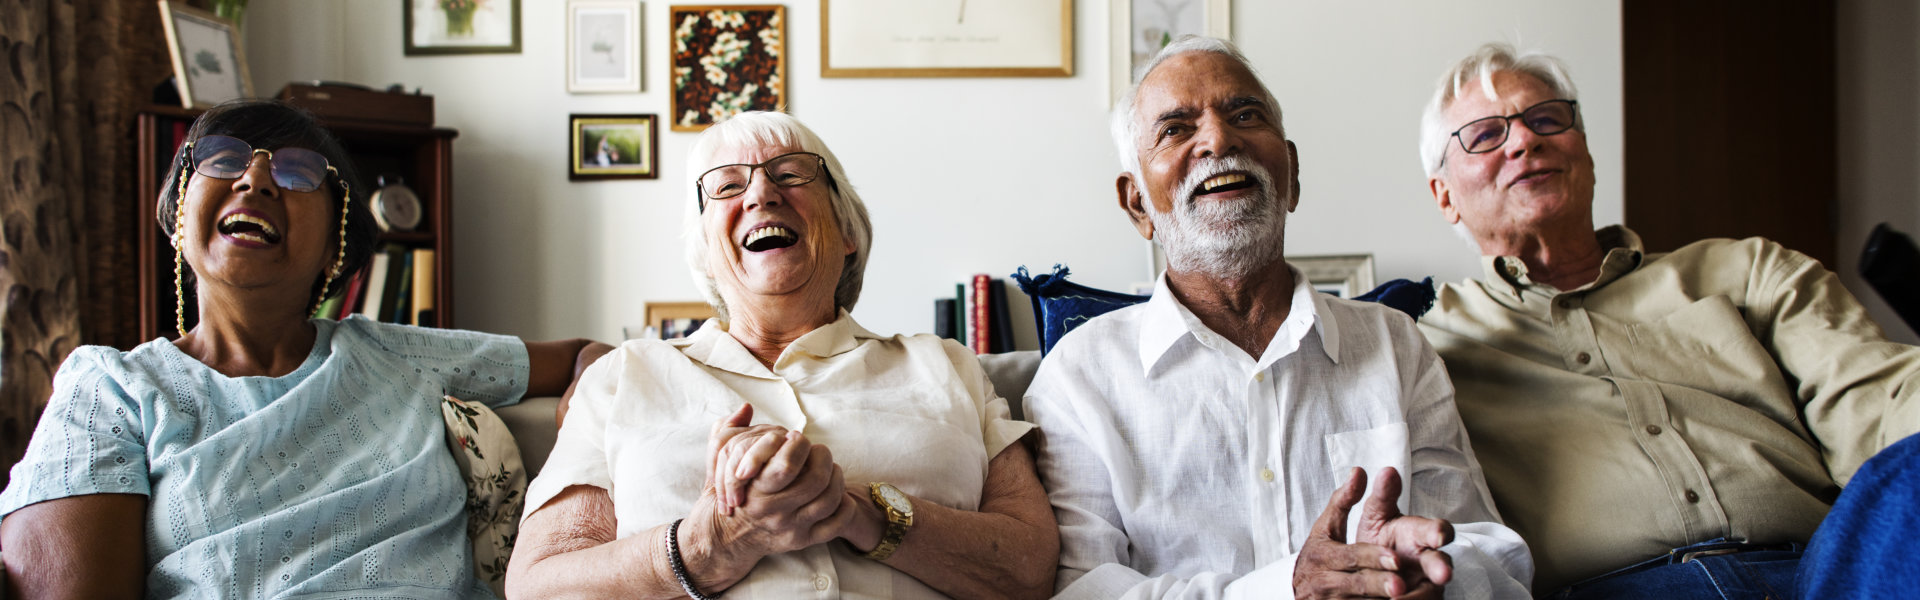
(1226, 239)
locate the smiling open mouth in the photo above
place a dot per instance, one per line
(1226, 183)
(769, 238)
(250, 228)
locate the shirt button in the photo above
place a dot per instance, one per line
(1692, 497)
(1266, 474)
(1653, 429)
(1584, 358)
(1566, 303)
(1261, 376)
(820, 582)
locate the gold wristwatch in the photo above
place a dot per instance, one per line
(899, 518)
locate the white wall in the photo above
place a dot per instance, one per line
(1879, 137)
(961, 175)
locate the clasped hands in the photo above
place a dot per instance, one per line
(1394, 555)
(770, 490)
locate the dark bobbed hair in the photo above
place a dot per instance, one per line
(272, 125)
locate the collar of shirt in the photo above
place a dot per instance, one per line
(713, 346)
(1624, 254)
(1166, 321)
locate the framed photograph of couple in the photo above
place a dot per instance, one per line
(603, 46)
(946, 38)
(208, 66)
(613, 147)
(461, 27)
(671, 320)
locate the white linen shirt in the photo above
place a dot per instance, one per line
(915, 411)
(1180, 467)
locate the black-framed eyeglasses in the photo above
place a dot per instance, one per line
(1551, 117)
(223, 157)
(786, 170)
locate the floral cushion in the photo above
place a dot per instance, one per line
(496, 485)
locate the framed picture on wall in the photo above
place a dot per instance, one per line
(727, 60)
(208, 65)
(1141, 28)
(946, 38)
(613, 147)
(1340, 275)
(603, 46)
(461, 26)
(673, 320)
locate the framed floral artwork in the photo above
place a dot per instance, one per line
(726, 60)
(612, 147)
(461, 26)
(208, 66)
(603, 46)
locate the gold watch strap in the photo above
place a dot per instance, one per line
(897, 524)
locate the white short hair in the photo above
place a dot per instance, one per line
(1480, 66)
(1124, 126)
(757, 128)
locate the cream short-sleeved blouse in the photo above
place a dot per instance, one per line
(915, 411)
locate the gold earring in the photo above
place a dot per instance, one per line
(339, 259)
(179, 237)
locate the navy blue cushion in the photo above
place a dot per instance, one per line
(1060, 305)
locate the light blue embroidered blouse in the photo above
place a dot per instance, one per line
(333, 481)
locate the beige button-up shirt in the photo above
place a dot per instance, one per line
(915, 411)
(1727, 389)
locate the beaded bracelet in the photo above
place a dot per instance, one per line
(680, 565)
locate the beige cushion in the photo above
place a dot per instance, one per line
(496, 485)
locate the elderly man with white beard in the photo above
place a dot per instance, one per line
(1214, 442)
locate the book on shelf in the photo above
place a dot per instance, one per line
(396, 311)
(1002, 330)
(423, 281)
(943, 319)
(376, 286)
(982, 316)
(330, 308)
(350, 301)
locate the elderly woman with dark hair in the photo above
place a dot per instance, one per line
(928, 490)
(263, 453)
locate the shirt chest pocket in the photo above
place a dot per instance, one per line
(1705, 346)
(1373, 450)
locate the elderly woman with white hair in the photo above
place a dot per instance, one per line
(700, 466)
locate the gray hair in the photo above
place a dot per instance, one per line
(1125, 128)
(1481, 65)
(775, 129)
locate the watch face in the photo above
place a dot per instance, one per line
(896, 499)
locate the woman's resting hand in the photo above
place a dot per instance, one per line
(773, 490)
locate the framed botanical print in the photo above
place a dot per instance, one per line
(208, 65)
(727, 60)
(603, 46)
(946, 38)
(461, 26)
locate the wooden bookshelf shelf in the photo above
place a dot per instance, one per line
(423, 156)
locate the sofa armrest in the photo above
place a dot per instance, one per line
(534, 430)
(1011, 372)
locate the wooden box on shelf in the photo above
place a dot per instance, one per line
(423, 156)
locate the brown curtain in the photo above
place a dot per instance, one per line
(75, 73)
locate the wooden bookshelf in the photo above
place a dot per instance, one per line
(421, 155)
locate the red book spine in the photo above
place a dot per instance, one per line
(981, 338)
(350, 303)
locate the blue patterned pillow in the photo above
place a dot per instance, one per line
(1060, 305)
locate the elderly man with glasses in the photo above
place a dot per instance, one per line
(1656, 425)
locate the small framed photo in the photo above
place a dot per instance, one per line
(1340, 275)
(461, 27)
(603, 46)
(1140, 28)
(613, 147)
(673, 320)
(727, 60)
(208, 65)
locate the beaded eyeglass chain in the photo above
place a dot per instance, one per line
(180, 236)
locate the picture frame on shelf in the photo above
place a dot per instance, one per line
(1140, 28)
(976, 38)
(673, 320)
(436, 27)
(604, 42)
(613, 147)
(209, 65)
(727, 60)
(1339, 275)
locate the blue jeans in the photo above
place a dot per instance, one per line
(1700, 572)
(1865, 547)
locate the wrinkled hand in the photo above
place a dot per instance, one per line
(786, 493)
(1374, 566)
(738, 453)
